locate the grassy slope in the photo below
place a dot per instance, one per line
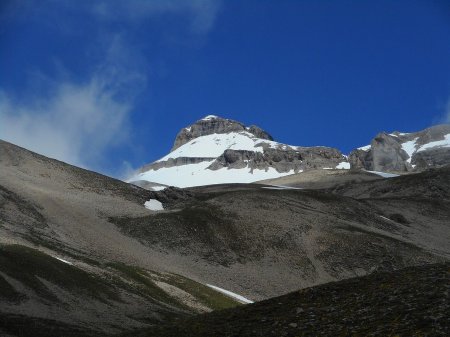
(410, 302)
(35, 270)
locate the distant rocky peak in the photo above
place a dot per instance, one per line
(213, 124)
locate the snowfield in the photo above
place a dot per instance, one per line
(410, 148)
(197, 175)
(214, 145)
(439, 143)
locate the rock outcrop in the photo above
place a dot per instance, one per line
(213, 124)
(405, 152)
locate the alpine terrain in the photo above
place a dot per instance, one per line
(325, 244)
(215, 150)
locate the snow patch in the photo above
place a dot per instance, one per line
(209, 117)
(365, 148)
(62, 260)
(240, 298)
(343, 166)
(157, 188)
(410, 147)
(439, 143)
(154, 205)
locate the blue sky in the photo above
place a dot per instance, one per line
(107, 84)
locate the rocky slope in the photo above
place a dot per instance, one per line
(65, 270)
(405, 152)
(59, 223)
(216, 150)
(409, 302)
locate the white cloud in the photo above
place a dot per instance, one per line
(76, 122)
(79, 122)
(75, 125)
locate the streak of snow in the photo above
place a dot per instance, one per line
(438, 143)
(62, 260)
(384, 174)
(154, 205)
(410, 147)
(240, 298)
(281, 187)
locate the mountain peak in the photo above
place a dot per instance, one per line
(212, 124)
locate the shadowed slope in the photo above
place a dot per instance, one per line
(410, 302)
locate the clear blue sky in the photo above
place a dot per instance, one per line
(108, 84)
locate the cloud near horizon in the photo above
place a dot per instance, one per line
(77, 122)
(75, 125)
(80, 121)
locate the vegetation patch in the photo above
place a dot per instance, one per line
(204, 294)
(145, 285)
(29, 266)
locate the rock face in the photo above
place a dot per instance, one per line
(404, 152)
(217, 150)
(213, 124)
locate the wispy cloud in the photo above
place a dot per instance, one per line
(201, 13)
(77, 122)
(447, 112)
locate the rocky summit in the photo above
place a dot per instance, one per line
(217, 150)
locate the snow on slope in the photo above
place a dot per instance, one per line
(365, 148)
(410, 147)
(240, 298)
(439, 143)
(384, 174)
(154, 205)
(198, 174)
(212, 146)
